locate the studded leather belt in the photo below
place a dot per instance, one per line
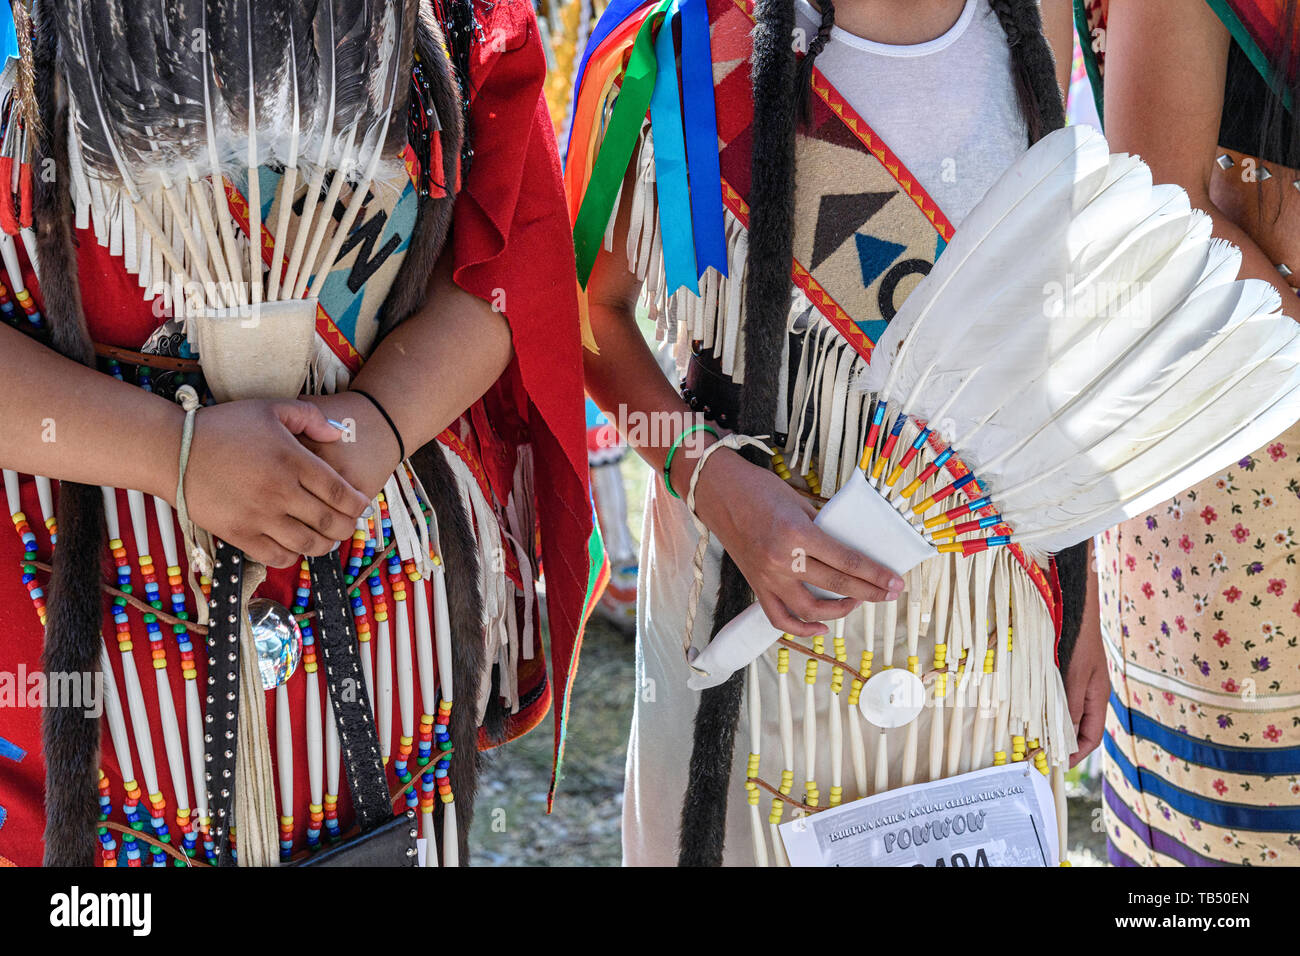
(221, 707)
(383, 840)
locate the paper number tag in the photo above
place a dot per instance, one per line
(999, 816)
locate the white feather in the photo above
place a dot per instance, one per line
(1150, 368)
(1033, 200)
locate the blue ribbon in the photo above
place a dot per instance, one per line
(1226, 758)
(702, 138)
(8, 34)
(1235, 816)
(9, 751)
(670, 164)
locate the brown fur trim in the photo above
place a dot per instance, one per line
(460, 558)
(70, 738)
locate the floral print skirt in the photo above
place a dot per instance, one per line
(1200, 607)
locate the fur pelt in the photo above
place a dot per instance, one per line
(70, 738)
(460, 557)
(409, 292)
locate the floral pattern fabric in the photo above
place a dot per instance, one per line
(1200, 607)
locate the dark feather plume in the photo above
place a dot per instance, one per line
(342, 31)
(390, 40)
(82, 65)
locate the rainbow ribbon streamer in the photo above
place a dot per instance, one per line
(684, 122)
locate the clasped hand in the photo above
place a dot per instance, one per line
(277, 481)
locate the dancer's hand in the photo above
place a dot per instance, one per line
(1087, 689)
(369, 455)
(1087, 682)
(251, 482)
(767, 528)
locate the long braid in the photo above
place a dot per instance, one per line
(1032, 66)
(817, 44)
(767, 293)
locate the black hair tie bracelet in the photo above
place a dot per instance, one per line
(401, 446)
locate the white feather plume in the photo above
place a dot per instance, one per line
(1118, 362)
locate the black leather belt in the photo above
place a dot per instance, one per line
(347, 688)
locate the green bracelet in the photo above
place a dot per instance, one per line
(668, 462)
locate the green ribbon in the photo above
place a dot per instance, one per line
(618, 145)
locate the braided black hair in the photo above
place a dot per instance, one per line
(460, 29)
(767, 292)
(1279, 129)
(815, 47)
(1032, 66)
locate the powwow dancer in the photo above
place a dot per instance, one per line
(441, 403)
(901, 140)
(605, 453)
(1078, 385)
(1198, 597)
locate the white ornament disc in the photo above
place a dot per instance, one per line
(892, 698)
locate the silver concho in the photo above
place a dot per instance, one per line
(278, 640)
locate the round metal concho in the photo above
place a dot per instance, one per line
(278, 641)
(892, 698)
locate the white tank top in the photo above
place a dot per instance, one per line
(947, 107)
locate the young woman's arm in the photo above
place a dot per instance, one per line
(1058, 27)
(761, 521)
(249, 480)
(1166, 66)
(425, 373)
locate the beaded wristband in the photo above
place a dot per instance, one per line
(668, 462)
